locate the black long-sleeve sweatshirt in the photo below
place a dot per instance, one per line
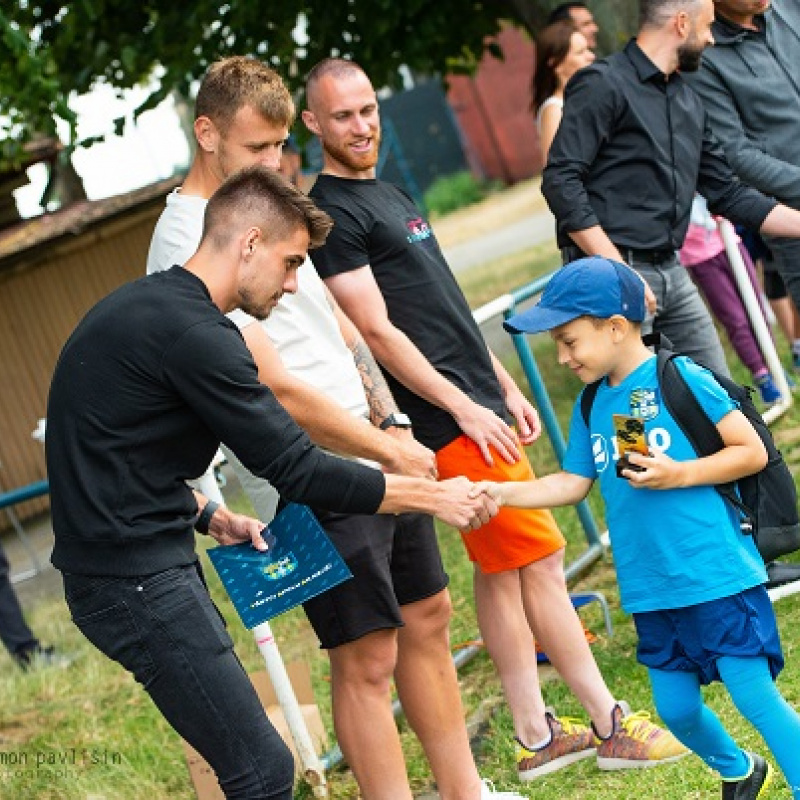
(149, 383)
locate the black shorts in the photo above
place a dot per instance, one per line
(395, 560)
(774, 287)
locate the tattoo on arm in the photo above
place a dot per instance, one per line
(379, 397)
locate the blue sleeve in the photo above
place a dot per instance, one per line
(711, 396)
(579, 458)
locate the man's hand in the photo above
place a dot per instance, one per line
(529, 427)
(485, 428)
(650, 302)
(229, 528)
(411, 458)
(458, 508)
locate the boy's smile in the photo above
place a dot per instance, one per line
(595, 348)
(584, 345)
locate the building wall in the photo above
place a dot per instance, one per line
(42, 298)
(493, 110)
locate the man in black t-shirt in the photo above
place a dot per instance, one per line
(385, 268)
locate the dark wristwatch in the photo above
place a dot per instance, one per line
(203, 521)
(396, 420)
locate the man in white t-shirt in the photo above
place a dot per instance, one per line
(391, 621)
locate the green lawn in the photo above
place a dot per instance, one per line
(91, 732)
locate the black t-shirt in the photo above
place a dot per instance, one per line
(378, 225)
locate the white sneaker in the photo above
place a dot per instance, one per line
(488, 791)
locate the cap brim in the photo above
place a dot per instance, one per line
(538, 319)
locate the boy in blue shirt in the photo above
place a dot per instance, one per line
(692, 580)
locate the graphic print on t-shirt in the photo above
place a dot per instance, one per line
(418, 230)
(645, 403)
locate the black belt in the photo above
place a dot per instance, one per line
(629, 255)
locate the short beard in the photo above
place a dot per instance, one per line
(689, 57)
(358, 163)
(253, 309)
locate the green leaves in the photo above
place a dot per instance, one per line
(54, 49)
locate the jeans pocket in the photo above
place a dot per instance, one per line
(180, 604)
(114, 632)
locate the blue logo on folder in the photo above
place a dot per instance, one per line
(300, 564)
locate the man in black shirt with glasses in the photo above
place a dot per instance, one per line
(633, 147)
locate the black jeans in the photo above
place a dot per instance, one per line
(166, 631)
(14, 631)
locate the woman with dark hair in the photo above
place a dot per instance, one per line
(561, 50)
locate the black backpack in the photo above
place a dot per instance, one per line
(766, 500)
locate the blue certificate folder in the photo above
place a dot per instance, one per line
(301, 564)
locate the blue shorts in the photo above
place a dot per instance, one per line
(691, 639)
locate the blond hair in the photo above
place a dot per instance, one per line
(239, 81)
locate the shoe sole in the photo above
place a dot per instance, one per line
(555, 765)
(610, 764)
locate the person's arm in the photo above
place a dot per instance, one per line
(549, 120)
(588, 121)
(728, 197)
(327, 423)
(750, 162)
(452, 501)
(379, 396)
(227, 527)
(213, 372)
(528, 425)
(359, 295)
(595, 242)
(550, 491)
(744, 454)
(782, 221)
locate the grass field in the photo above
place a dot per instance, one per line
(90, 732)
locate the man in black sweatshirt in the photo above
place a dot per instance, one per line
(150, 382)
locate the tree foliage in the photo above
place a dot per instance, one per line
(55, 49)
(58, 49)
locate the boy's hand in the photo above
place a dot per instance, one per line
(460, 507)
(659, 471)
(489, 488)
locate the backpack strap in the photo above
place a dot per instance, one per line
(587, 400)
(693, 420)
(655, 340)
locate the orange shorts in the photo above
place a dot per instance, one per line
(516, 536)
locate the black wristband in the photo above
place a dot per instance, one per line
(204, 517)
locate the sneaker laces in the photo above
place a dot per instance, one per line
(638, 726)
(571, 725)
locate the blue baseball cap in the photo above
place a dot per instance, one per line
(594, 287)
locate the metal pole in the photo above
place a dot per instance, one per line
(760, 328)
(312, 769)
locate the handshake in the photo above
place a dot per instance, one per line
(466, 505)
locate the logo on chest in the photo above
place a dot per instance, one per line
(644, 403)
(418, 230)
